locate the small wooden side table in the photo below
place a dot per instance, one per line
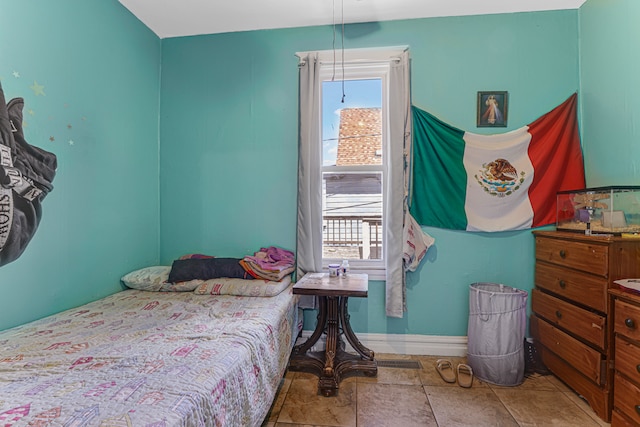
(334, 363)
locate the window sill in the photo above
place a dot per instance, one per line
(373, 274)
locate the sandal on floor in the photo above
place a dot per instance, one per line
(465, 375)
(445, 369)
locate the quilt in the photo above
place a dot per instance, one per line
(150, 359)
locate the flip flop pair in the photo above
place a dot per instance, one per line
(463, 373)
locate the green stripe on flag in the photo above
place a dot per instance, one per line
(440, 185)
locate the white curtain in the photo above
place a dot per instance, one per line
(309, 241)
(399, 150)
(309, 238)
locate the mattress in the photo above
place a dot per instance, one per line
(140, 358)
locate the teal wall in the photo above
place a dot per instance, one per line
(229, 142)
(610, 70)
(222, 179)
(100, 70)
(228, 155)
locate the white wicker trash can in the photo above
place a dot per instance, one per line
(496, 332)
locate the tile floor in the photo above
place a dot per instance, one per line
(419, 397)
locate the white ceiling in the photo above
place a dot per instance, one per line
(175, 18)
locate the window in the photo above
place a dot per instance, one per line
(351, 177)
(353, 129)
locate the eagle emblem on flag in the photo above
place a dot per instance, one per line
(500, 178)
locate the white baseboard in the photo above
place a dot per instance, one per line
(427, 345)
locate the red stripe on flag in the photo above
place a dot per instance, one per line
(556, 156)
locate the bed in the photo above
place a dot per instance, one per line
(211, 356)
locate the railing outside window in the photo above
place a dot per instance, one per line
(352, 237)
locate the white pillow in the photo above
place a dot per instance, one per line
(148, 278)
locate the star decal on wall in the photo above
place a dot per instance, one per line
(75, 126)
(37, 89)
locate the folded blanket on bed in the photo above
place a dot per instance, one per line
(258, 273)
(270, 263)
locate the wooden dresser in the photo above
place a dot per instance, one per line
(626, 383)
(571, 308)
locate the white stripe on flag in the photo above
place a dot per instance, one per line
(491, 204)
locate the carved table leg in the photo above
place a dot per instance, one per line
(329, 381)
(365, 363)
(317, 333)
(350, 335)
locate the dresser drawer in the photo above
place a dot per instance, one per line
(627, 320)
(587, 325)
(626, 397)
(618, 420)
(580, 287)
(585, 256)
(580, 356)
(628, 359)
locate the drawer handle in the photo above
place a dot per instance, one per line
(638, 368)
(637, 409)
(630, 323)
(563, 253)
(558, 314)
(563, 284)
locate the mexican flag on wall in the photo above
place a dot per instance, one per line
(509, 181)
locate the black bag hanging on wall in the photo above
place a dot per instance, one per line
(26, 173)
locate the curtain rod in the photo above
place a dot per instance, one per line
(395, 59)
(362, 55)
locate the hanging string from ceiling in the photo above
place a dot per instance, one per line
(333, 25)
(342, 34)
(333, 77)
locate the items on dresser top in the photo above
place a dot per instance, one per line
(614, 210)
(631, 285)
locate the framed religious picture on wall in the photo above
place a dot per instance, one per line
(492, 109)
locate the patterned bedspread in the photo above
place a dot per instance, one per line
(156, 359)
